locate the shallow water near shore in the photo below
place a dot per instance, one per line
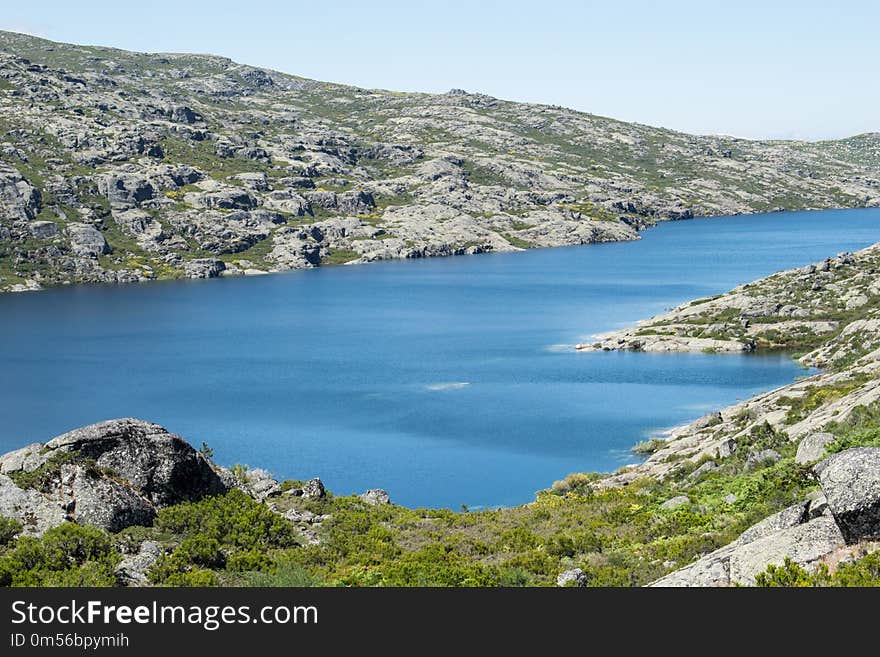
(445, 381)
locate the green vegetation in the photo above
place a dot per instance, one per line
(617, 536)
(67, 555)
(231, 532)
(518, 242)
(477, 174)
(861, 572)
(9, 529)
(339, 257)
(816, 396)
(648, 446)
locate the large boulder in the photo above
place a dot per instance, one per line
(126, 189)
(112, 475)
(804, 544)
(376, 496)
(785, 534)
(103, 501)
(18, 198)
(845, 511)
(851, 483)
(86, 241)
(812, 448)
(204, 268)
(35, 511)
(162, 466)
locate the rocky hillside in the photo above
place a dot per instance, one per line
(120, 166)
(830, 310)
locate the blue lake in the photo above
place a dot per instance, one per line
(445, 381)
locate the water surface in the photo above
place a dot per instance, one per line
(445, 381)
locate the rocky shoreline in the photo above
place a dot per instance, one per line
(120, 167)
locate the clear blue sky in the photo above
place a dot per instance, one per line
(802, 69)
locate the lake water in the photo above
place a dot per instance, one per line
(445, 381)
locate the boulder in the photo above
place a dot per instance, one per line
(139, 223)
(260, 484)
(706, 421)
(256, 181)
(160, 465)
(851, 483)
(227, 198)
(43, 230)
(356, 202)
(812, 448)
(726, 448)
(762, 457)
(18, 198)
(112, 475)
(102, 501)
(785, 534)
(86, 240)
(789, 517)
(708, 466)
(376, 496)
(314, 488)
(183, 114)
(204, 268)
(675, 503)
(36, 512)
(132, 570)
(804, 544)
(126, 189)
(573, 577)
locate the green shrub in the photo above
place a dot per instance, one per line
(862, 572)
(194, 578)
(248, 560)
(9, 528)
(283, 572)
(869, 437)
(202, 550)
(231, 531)
(67, 555)
(233, 520)
(789, 574)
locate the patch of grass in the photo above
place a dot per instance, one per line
(817, 396)
(339, 257)
(517, 241)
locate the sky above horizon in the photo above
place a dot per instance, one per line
(804, 70)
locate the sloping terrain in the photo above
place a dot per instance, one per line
(119, 166)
